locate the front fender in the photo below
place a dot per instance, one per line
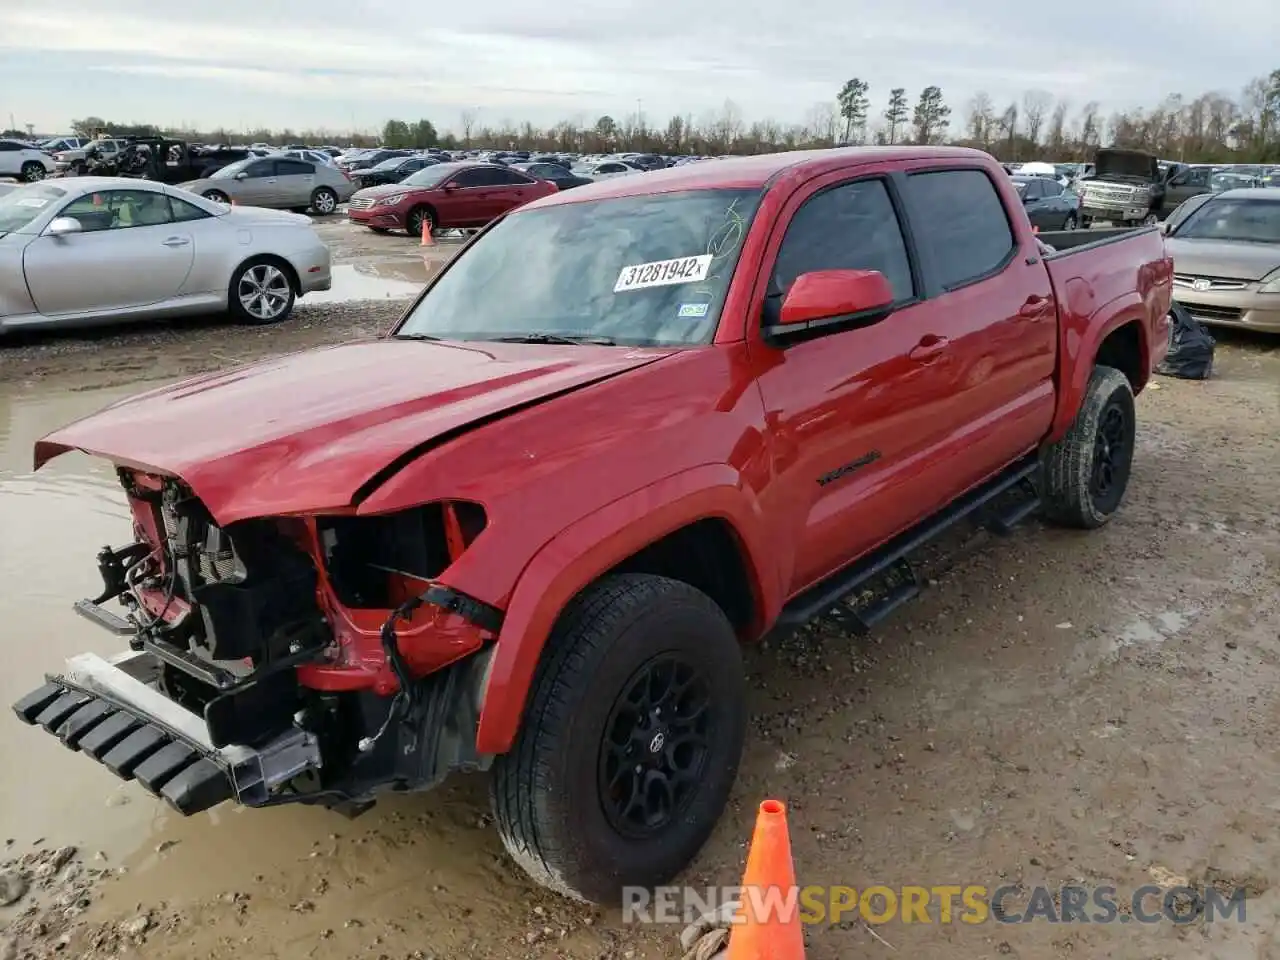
(592, 546)
(1079, 349)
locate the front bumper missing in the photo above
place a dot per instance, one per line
(109, 710)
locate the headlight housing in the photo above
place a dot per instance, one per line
(390, 201)
(1271, 283)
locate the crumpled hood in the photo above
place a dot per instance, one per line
(1221, 258)
(309, 431)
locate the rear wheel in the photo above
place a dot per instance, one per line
(1150, 220)
(418, 220)
(1071, 222)
(631, 740)
(261, 292)
(324, 201)
(217, 196)
(1086, 473)
(33, 171)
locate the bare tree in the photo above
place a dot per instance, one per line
(1090, 130)
(1035, 104)
(468, 119)
(981, 118)
(1056, 140)
(1008, 126)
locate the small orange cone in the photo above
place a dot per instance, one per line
(769, 885)
(427, 240)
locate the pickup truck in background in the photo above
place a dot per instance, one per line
(1127, 188)
(627, 429)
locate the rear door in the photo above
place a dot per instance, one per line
(996, 325)
(10, 158)
(473, 201)
(513, 189)
(295, 180)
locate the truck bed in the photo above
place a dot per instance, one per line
(1071, 241)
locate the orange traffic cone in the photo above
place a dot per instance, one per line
(769, 887)
(427, 240)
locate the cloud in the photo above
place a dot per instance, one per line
(335, 62)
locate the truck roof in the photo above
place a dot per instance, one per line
(750, 172)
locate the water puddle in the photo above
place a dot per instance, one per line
(400, 279)
(51, 525)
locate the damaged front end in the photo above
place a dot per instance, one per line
(313, 659)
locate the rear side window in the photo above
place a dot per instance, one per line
(850, 227)
(963, 224)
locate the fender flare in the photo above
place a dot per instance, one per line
(1128, 309)
(588, 548)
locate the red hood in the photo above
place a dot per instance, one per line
(387, 189)
(305, 432)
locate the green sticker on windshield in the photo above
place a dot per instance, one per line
(694, 309)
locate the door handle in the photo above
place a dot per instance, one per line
(929, 349)
(1033, 309)
(176, 242)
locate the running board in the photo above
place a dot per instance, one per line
(831, 597)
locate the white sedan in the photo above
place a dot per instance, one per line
(103, 249)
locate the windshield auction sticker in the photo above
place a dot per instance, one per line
(663, 273)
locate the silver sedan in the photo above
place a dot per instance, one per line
(277, 181)
(103, 249)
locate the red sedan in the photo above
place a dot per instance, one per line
(445, 196)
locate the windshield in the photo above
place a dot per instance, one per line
(649, 270)
(390, 164)
(231, 169)
(429, 176)
(1231, 218)
(20, 207)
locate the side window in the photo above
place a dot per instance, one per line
(610, 168)
(1052, 188)
(183, 211)
(968, 234)
(118, 210)
(263, 168)
(1033, 190)
(1199, 177)
(480, 177)
(294, 168)
(850, 227)
(511, 178)
(8, 146)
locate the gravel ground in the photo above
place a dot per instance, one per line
(1056, 707)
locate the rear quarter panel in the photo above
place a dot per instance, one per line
(1100, 288)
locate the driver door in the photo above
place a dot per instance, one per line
(129, 254)
(257, 184)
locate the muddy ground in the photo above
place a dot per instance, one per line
(1057, 707)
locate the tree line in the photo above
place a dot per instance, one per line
(1212, 127)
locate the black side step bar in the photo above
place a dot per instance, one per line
(828, 598)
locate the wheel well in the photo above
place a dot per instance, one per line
(707, 555)
(1122, 349)
(280, 262)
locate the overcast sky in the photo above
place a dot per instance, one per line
(338, 63)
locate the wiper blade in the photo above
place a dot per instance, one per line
(558, 338)
(418, 336)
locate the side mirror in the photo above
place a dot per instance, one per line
(824, 296)
(1164, 227)
(62, 226)
(241, 176)
(449, 187)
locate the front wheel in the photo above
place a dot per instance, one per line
(33, 172)
(217, 196)
(1086, 473)
(1150, 220)
(419, 221)
(261, 293)
(1071, 222)
(324, 201)
(631, 740)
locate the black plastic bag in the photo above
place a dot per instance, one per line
(1190, 355)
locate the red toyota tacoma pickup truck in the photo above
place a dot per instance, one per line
(627, 429)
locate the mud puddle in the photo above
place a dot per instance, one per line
(378, 279)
